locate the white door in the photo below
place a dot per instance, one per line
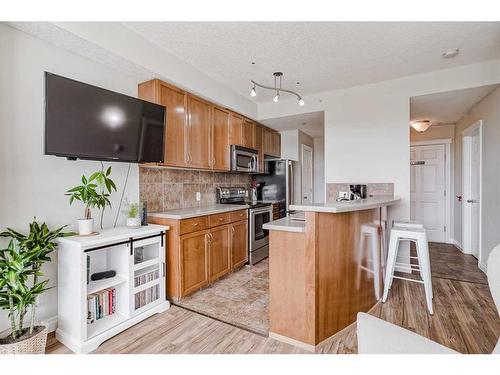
(471, 190)
(307, 175)
(427, 189)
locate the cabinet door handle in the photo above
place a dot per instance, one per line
(163, 268)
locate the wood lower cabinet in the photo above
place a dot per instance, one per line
(199, 137)
(220, 252)
(202, 249)
(194, 261)
(239, 244)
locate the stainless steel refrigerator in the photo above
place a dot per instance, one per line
(277, 184)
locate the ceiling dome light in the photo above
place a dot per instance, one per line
(301, 102)
(451, 53)
(253, 92)
(421, 125)
(277, 97)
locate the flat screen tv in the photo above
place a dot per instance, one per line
(88, 122)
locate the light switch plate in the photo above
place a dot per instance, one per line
(198, 196)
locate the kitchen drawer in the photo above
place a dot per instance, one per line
(239, 215)
(276, 215)
(220, 219)
(194, 224)
(276, 207)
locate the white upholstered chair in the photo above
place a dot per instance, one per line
(376, 336)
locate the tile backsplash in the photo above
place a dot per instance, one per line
(372, 189)
(166, 189)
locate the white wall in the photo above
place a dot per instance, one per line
(290, 144)
(445, 131)
(367, 127)
(32, 184)
(319, 170)
(487, 110)
(124, 42)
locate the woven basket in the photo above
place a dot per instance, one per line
(33, 345)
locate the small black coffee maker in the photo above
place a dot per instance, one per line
(358, 190)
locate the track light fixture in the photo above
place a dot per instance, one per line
(253, 92)
(278, 76)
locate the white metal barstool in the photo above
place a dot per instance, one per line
(413, 224)
(417, 235)
(373, 261)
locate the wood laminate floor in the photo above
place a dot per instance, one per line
(465, 319)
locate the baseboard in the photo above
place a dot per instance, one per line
(290, 341)
(457, 244)
(482, 267)
(51, 323)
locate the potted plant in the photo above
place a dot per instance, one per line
(20, 270)
(94, 192)
(133, 218)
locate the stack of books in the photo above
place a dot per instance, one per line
(146, 277)
(101, 304)
(147, 296)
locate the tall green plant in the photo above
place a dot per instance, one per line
(94, 192)
(20, 270)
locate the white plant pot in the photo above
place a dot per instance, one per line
(133, 222)
(85, 226)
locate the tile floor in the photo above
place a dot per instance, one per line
(241, 299)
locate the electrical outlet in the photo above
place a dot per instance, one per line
(198, 196)
(343, 194)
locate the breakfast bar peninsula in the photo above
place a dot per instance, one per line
(325, 266)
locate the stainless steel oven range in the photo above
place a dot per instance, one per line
(259, 213)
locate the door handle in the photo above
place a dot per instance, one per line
(471, 201)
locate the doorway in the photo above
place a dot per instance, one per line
(307, 174)
(428, 188)
(471, 187)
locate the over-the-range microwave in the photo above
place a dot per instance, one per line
(244, 159)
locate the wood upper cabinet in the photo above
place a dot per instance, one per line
(259, 145)
(235, 130)
(239, 244)
(220, 252)
(194, 261)
(272, 143)
(199, 137)
(175, 100)
(199, 134)
(248, 133)
(220, 139)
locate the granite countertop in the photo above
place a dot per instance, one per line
(186, 213)
(348, 206)
(286, 224)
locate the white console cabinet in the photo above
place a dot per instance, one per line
(138, 258)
